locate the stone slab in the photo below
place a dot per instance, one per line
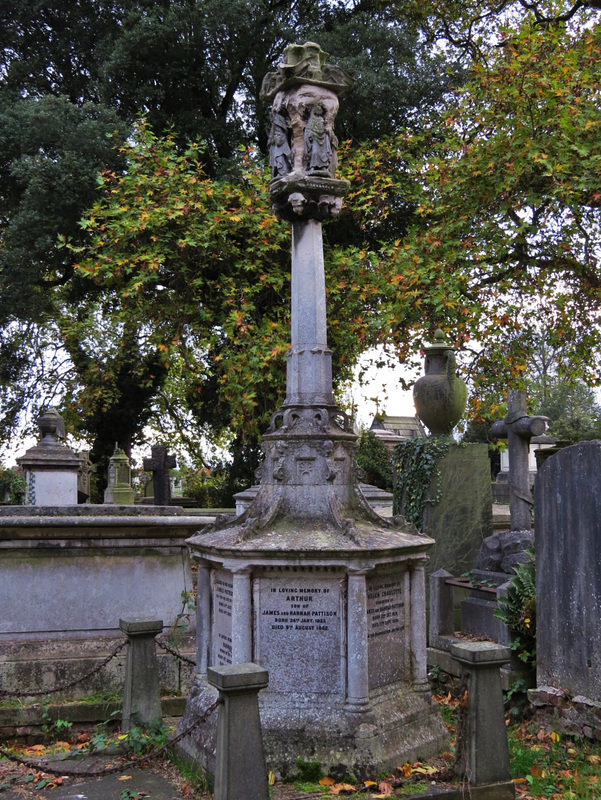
(301, 613)
(462, 519)
(386, 628)
(568, 570)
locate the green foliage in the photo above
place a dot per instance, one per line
(518, 611)
(140, 740)
(418, 476)
(573, 410)
(374, 458)
(308, 771)
(12, 485)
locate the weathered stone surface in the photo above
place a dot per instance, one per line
(106, 567)
(504, 550)
(518, 428)
(568, 570)
(483, 752)
(50, 468)
(141, 690)
(240, 764)
(462, 519)
(159, 463)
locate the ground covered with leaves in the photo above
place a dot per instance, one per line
(544, 764)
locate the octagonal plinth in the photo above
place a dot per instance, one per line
(340, 626)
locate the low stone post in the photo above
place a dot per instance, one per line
(483, 752)
(240, 767)
(441, 607)
(141, 690)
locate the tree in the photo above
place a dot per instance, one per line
(510, 206)
(573, 410)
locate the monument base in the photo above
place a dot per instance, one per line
(401, 725)
(338, 622)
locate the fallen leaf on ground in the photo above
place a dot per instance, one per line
(271, 778)
(385, 788)
(405, 770)
(125, 777)
(370, 783)
(426, 770)
(327, 782)
(342, 788)
(594, 759)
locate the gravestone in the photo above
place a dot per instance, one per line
(309, 582)
(568, 586)
(518, 428)
(159, 464)
(462, 518)
(50, 468)
(119, 491)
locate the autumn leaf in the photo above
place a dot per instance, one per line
(327, 781)
(125, 777)
(405, 770)
(342, 788)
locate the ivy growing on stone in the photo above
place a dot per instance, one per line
(418, 477)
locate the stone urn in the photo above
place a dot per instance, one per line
(439, 395)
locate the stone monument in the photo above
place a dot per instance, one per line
(119, 491)
(159, 464)
(504, 550)
(50, 467)
(567, 529)
(458, 514)
(309, 582)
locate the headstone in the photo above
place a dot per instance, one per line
(309, 582)
(159, 464)
(50, 468)
(119, 491)
(518, 428)
(84, 477)
(461, 520)
(568, 573)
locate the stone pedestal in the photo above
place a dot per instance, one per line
(50, 468)
(141, 691)
(339, 623)
(483, 752)
(240, 769)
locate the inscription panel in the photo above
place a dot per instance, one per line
(223, 592)
(299, 620)
(386, 629)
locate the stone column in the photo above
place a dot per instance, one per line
(309, 368)
(242, 621)
(357, 697)
(483, 753)
(419, 667)
(141, 689)
(203, 617)
(240, 769)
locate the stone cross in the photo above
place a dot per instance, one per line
(159, 464)
(518, 428)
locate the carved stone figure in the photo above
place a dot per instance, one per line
(302, 143)
(279, 146)
(318, 145)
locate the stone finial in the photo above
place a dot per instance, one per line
(302, 142)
